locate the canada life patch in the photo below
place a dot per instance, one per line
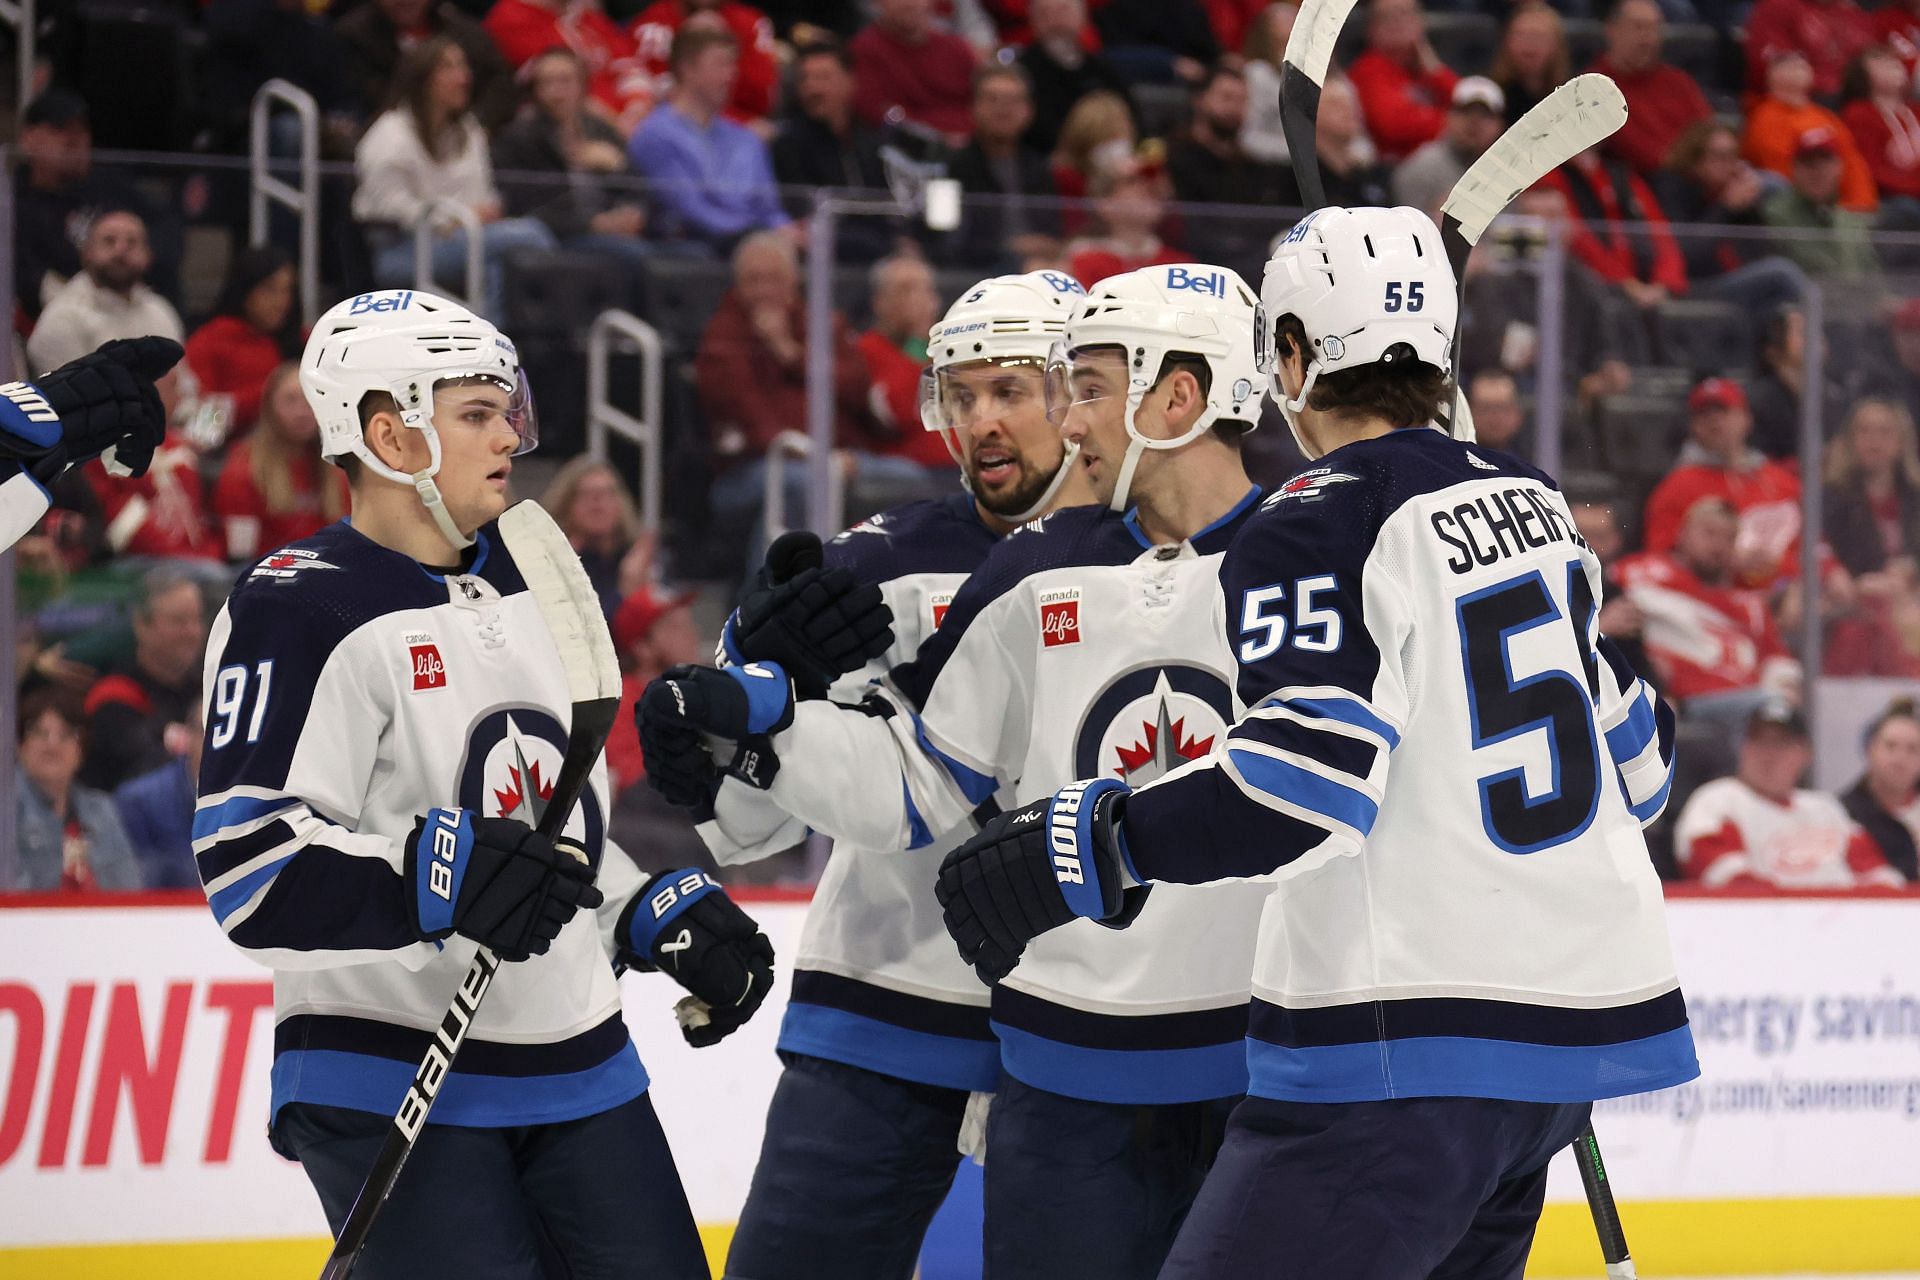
(429, 671)
(1060, 617)
(939, 602)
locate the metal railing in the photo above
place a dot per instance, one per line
(19, 15)
(303, 200)
(647, 431)
(473, 296)
(792, 444)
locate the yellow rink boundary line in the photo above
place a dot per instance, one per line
(1669, 1238)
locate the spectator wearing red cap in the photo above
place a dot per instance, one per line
(1828, 33)
(1404, 88)
(759, 75)
(1662, 100)
(1788, 124)
(1760, 827)
(1882, 122)
(1718, 462)
(1812, 203)
(1712, 642)
(903, 62)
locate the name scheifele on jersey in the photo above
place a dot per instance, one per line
(1505, 524)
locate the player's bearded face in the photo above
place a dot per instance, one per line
(1011, 450)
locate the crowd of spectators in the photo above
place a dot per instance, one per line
(678, 147)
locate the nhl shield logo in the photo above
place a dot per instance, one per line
(1152, 720)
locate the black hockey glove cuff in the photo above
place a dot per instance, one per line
(703, 723)
(684, 924)
(494, 880)
(817, 623)
(1035, 869)
(103, 400)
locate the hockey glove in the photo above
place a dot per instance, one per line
(817, 623)
(684, 924)
(103, 400)
(494, 880)
(1035, 869)
(745, 706)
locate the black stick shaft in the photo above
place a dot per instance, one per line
(1606, 1215)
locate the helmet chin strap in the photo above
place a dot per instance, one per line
(437, 508)
(1060, 475)
(1290, 409)
(422, 480)
(1138, 444)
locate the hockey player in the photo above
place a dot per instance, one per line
(103, 401)
(886, 1031)
(385, 715)
(1447, 769)
(1088, 643)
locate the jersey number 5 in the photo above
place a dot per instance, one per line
(232, 694)
(1557, 700)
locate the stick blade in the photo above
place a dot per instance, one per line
(1316, 30)
(567, 601)
(1581, 113)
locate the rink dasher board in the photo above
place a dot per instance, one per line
(135, 1043)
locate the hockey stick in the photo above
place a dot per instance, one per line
(1583, 112)
(571, 611)
(1606, 1217)
(1316, 29)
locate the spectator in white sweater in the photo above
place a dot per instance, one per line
(429, 147)
(108, 299)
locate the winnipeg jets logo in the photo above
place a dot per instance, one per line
(1308, 486)
(525, 793)
(1483, 465)
(1151, 721)
(512, 760)
(872, 524)
(288, 563)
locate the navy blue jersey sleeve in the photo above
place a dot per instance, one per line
(1300, 777)
(293, 727)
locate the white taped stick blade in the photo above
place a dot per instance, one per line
(1316, 30)
(566, 598)
(1583, 112)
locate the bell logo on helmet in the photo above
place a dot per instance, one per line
(1061, 282)
(1208, 282)
(370, 302)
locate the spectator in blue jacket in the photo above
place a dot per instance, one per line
(156, 809)
(711, 179)
(69, 836)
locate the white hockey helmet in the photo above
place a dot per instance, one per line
(1368, 286)
(1192, 309)
(406, 343)
(1009, 320)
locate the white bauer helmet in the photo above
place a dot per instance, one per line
(1191, 309)
(406, 343)
(1369, 286)
(1009, 320)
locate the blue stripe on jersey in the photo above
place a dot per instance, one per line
(1135, 1077)
(1461, 1066)
(1287, 781)
(919, 1056)
(918, 837)
(974, 785)
(363, 1082)
(236, 895)
(236, 811)
(1346, 711)
(1630, 737)
(1645, 811)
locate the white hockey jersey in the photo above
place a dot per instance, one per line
(1448, 769)
(349, 690)
(877, 982)
(1077, 648)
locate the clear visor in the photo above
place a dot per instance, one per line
(1063, 396)
(475, 402)
(957, 397)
